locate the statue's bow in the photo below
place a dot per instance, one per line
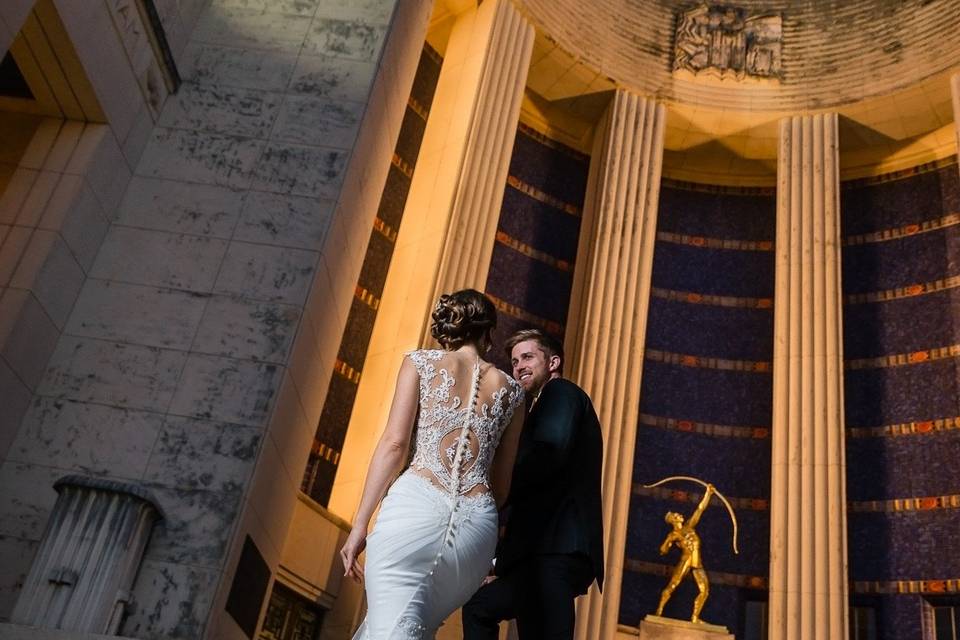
(723, 499)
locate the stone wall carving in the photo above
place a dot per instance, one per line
(727, 41)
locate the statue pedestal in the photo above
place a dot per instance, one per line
(660, 628)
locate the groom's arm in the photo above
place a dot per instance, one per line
(559, 412)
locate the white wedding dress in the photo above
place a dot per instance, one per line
(436, 533)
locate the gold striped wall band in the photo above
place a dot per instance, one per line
(906, 428)
(326, 452)
(730, 190)
(896, 587)
(546, 198)
(902, 232)
(530, 132)
(344, 370)
(902, 359)
(908, 291)
(554, 328)
(384, 229)
(750, 504)
(702, 362)
(927, 167)
(530, 252)
(704, 428)
(366, 297)
(716, 577)
(925, 503)
(401, 164)
(418, 108)
(712, 300)
(714, 243)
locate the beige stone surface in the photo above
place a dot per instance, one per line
(657, 628)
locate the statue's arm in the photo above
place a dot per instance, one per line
(695, 518)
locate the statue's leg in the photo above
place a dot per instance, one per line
(700, 577)
(679, 572)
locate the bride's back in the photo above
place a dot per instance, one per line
(460, 395)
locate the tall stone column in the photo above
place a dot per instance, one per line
(449, 222)
(808, 555)
(955, 90)
(609, 317)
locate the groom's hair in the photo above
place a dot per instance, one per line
(550, 345)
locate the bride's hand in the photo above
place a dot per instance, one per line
(350, 553)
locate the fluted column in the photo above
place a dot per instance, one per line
(808, 556)
(449, 223)
(91, 550)
(609, 316)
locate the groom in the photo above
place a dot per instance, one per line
(552, 549)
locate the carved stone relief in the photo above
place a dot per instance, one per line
(727, 41)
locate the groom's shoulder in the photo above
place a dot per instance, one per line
(566, 388)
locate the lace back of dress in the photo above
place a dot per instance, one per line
(463, 439)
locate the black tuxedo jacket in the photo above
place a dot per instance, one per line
(554, 503)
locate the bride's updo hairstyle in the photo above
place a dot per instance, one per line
(462, 317)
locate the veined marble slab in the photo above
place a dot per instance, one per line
(16, 556)
(247, 329)
(369, 11)
(48, 269)
(193, 156)
(318, 121)
(137, 314)
(300, 170)
(143, 256)
(27, 336)
(86, 438)
(180, 207)
(251, 29)
(222, 109)
(263, 272)
(234, 67)
(200, 454)
(333, 78)
(286, 221)
(354, 40)
(289, 7)
(112, 373)
(75, 212)
(226, 389)
(196, 526)
(171, 601)
(27, 498)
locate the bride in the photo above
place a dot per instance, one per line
(436, 532)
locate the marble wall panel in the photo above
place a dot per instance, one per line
(251, 29)
(333, 78)
(316, 121)
(288, 221)
(191, 156)
(160, 259)
(241, 328)
(137, 314)
(289, 7)
(12, 249)
(172, 603)
(369, 11)
(300, 170)
(269, 273)
(226, 389)
(201, 454)
(16, 555)
(27, 498)
(100, 160)
(178, 207)
(354, 40)
(75, 213)
(49, 270)
(121, 375)
(27, 335)
(87, 438)
(16, 400)
(222, 109)
(233, 67)
(196, 526)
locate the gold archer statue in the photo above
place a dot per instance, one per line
(684, 536)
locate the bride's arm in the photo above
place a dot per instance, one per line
(503, 459)
(388, 457)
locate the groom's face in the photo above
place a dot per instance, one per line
(531, 367)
